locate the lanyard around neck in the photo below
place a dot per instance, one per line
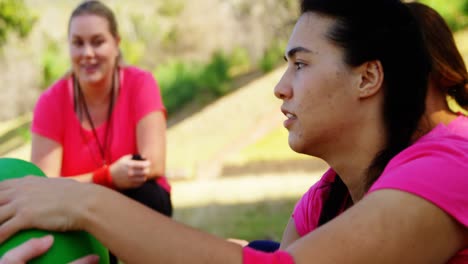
(82, 102)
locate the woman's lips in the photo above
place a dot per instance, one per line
(89, 69)
(291, 118)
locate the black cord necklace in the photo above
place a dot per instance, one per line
(82, 101)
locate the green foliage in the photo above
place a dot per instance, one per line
(54, 64)
(132, 51)
(182, 82)
(214, 77)
(25, 134)
(272, 56)
(239, 61)
(171, 8)
(171, 38)
(455, 12)
(178, 82)
(14, 17)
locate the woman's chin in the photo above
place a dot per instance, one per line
(90, 79)
(295, 144)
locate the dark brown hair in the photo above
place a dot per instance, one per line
(390, 35)
(97, 8)
(448, 70)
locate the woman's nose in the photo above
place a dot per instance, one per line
(283, 89)
(88, 50)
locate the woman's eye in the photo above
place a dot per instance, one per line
(77, 43)
(97, 43)
(299, 65)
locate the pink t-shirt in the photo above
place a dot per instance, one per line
(307, 211)
(434, 168)
(55, 118)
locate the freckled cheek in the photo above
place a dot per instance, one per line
(333, 91)
(331, 102)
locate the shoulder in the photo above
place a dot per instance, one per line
(57, 92)
(132, 73)
(138, 83)
(445, 144)
(51, 111)
(435, 168)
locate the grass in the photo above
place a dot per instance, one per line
(260, 220)
(274, 146)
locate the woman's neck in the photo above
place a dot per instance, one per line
(437, 112)
(354, 173)
(352, 161)
(98, 93)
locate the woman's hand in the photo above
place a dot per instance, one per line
(34, 248)
(27, 251)
(43, 203)
(127, 173)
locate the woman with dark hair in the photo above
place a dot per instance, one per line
(328, 197)
(354, 95)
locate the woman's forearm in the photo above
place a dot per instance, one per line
(85, 177)
(157, 168)
(137, 234)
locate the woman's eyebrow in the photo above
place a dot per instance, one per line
(292, 52)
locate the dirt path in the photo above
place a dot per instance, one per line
(198, 146)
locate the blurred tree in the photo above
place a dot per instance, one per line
(171, 8)
(455, 12)
(14, 17)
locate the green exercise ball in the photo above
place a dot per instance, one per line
(68, 246)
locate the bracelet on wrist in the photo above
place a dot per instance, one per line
(103, 177)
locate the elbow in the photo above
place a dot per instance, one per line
(157, 171)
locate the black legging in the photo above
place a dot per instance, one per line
(152, 195)
(264, 245)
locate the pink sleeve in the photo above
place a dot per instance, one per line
(148, 97)
(435, 173)
(47, 119)
(307, 211)
(252, 256)
(301, 213)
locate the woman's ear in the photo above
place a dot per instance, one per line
(372, 76)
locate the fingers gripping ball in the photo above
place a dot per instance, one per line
(68, 246)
